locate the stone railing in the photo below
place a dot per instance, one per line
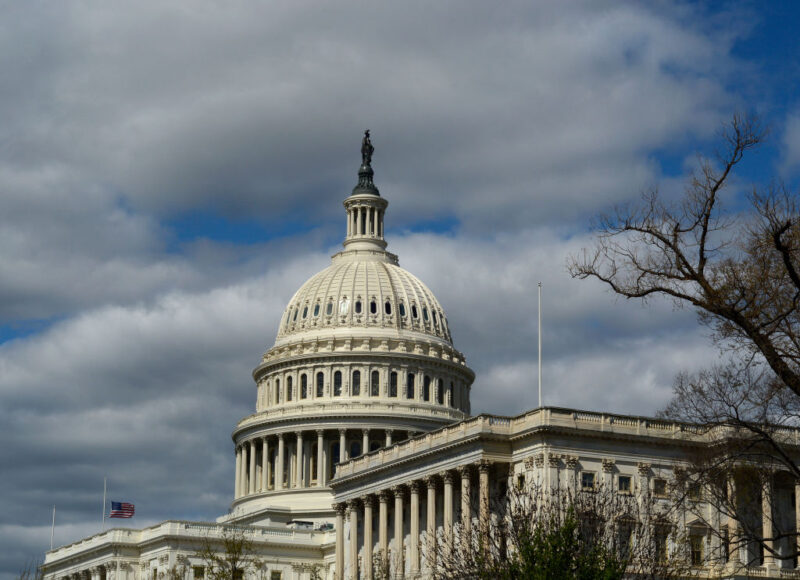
(189, 530)
(548, 417)
(317, 407)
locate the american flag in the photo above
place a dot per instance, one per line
(120, 509)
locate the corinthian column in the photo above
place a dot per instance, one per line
(430, 532)
(766, 521)
(369, 502)
(466, 506)
(447, 476)
(413, 552)
(383, 527)
(340, 511)
(264, 464)
(298, 480)
(352, 505)
(483, 488)
(398, 532)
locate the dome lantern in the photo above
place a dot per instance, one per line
(365, 206)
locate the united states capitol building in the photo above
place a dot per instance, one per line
(363, 442)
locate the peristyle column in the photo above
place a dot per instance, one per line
(264, 464)
(466, 505)
(388, 437)
(298, 480)
(383, 526)
(365, 441)
(766, 521)
(342, 445)
(238, 476)
(320, 457)
(279, 466)
(483, 489)
(340, 511)
(447, 476)
(252, 479)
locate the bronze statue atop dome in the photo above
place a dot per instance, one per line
(366, 149)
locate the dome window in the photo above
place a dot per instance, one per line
(425, 313)
(410, 386)
(356, 383)
(320, 384)
(358, 306)
(329, 308)
(305, 311)
(426, 388)
(303, 386)
(294, 318)
(373, 307)
(355, 449)
(393, 384)
(387, 308)
(414, 313)
(375, 384)
(402, 308)
(344, 306)
(439, 392)
(337, 384)
(435, 321)
(277, 391)
(316, 309)
(288, 389)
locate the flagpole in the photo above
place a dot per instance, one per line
(104, 505)
(53, 528)
(540, 344)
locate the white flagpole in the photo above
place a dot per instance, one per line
(53, 528)
(540, 344)
(104, 505)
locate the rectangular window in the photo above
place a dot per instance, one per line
(587, 480)
(276, 575)
(393, 385)
(660, 487)
(410, 386)
(660, 540)
(694, 492)
(199, 572)
(624, 484)
(374, 389)
(696, 545)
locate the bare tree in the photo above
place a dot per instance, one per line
(229, 557)
(543, 533)
(31, 571)
(738, 268)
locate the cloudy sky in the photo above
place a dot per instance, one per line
(170, 172)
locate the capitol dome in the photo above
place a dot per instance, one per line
(363, 357)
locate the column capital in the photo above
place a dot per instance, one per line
(538, 460)
(554, 460)
(571, 461)
(399, 491)
(299, 433)
(340, 508)
(448, 477)
(280, 436)
(608, 464)
(484, 465)
(464, 470)
(342, 431)
(383, 496)
(353, 505)
(389, 431)
(430, 481)
(320, 432)
(415, 486)
(643, 468)
(365, 431)
(368, 501)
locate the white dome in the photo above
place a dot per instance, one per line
(364, 293)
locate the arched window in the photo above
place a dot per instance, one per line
(374, 445)
(425, 313)
(305, 311)
(337, 384)
(414, 313)
(375, 384)
(294, 318)
(373, 307)
(316, 309)
(402, 308)
(355, 449)
(439, 392)
(358, 306)
(335, 457)
(303, 386)
(289, 388)
(329, 308)
(277, 391)
(426, 388)
(450, 395)
(356, 383)
(313, 462)
(410, 386)
(320, 384)
(387, 307)
(393, 384)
